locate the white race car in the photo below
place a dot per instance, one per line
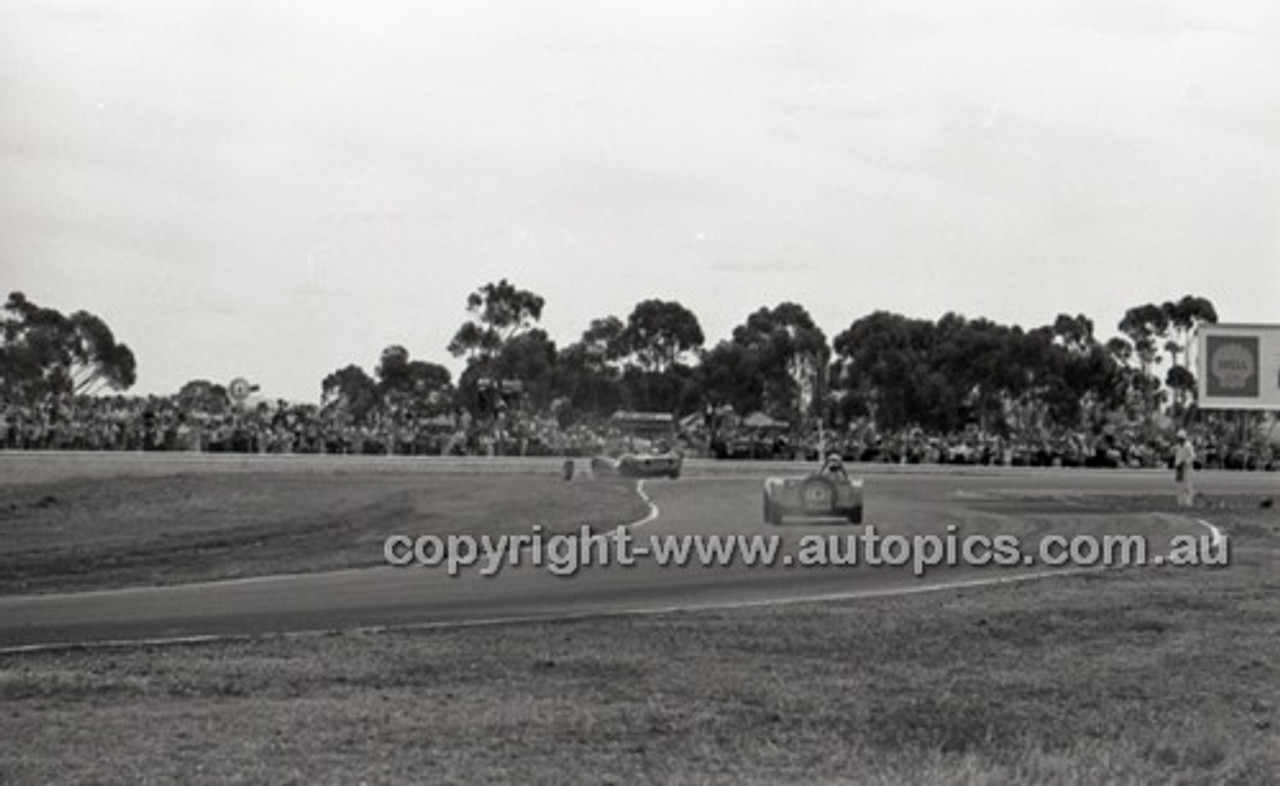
(827, 493)
(640, 465)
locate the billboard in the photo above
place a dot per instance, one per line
(1238, 366)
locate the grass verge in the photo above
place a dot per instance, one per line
(72, 534)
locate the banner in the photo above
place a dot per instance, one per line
(1238, 366)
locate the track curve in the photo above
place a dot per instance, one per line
(1027, 504)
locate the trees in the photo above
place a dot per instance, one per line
(403, 387)
(1183, 317)
(528, 359)
(351, 391)
(201, 395)
(656, 340)
(1151, 328)
(940, 375)
(987, 365)
(1144, 325)
(658, 334)
(1091, 373)
(603, 338)
(945, 375)
(881, 368)
(402, 379)
(1074, 333)
(775, 362)
(499, 312)
(730, 374)
(587, 374)
(789, 352)
(45, 353)
(501, 343)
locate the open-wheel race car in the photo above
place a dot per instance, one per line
(827, 493)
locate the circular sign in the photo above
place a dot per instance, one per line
(239, 389)
(817, 495)
(1232, 364)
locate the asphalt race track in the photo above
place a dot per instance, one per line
(712, 498)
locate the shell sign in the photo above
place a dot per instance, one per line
(1233, 366)
(1238, 366)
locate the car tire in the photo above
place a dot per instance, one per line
(771, 515)
(855, 516)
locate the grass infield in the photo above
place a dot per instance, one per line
(94, 532)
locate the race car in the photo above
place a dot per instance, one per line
(829, 492)
(643, 447)
(640, 465)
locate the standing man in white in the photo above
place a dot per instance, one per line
(1183, 466)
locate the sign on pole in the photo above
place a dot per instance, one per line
(1238, 366)
(239, 389)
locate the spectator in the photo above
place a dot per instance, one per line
(1184, 467)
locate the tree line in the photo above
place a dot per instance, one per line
(894, 370)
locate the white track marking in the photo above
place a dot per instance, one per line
(1219, 537)
(237, 581)
(653, 508)
(174, 641)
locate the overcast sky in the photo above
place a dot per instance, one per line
(275, 189)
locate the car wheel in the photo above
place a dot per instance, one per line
(771, 511)
(855, 517)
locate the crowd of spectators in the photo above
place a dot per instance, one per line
(158, 423)
(1218, 447)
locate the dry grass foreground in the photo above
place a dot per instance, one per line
(83, 533)
(1167, 675)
